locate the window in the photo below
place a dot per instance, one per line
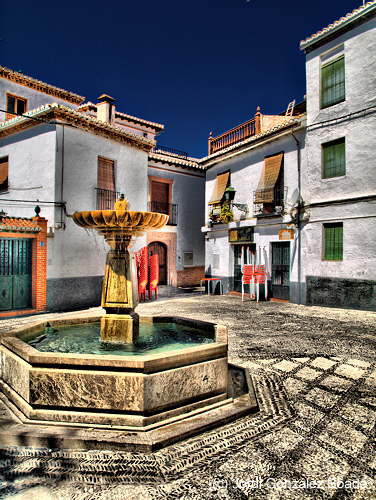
(333, 241)
(15, 106)
(106, 193)
(4, 174)
(188, 258)
(333, 82)
(333, 159)
(270, 190)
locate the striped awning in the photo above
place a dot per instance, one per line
(268, 179)
(219, 188)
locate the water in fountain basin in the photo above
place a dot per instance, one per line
(153, 339)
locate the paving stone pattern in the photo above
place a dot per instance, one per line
(326, 449)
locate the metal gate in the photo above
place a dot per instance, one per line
(15, 273)
(281, 270)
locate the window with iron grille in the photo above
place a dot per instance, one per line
(333, 159)
(4, 174)
(333, 82)
(333, 241)
(15, 106)
(106, 192)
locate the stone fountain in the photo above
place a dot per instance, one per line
(119, 292)
(143, 399)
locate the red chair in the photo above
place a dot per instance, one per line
(255, 276)
(153, 275)
(142, 271)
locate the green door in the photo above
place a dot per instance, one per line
(15, 273)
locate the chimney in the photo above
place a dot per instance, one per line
(105, 108)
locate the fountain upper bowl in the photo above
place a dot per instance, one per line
(120, 219)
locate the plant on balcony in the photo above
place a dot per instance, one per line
(226, 215)
(215, 213)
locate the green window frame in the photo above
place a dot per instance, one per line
(333, 241)
(334, 158)
(333, 82)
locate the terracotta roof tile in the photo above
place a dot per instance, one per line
(28, 81)
(289, 122)
(174, 159)
(18, 224)
(78, 117)
(369, 6)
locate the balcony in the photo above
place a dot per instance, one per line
(170, 209)
(236, 134)
(170, 151)
(269, 208)
(106, 198)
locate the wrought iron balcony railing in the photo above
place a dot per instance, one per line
(170, 209)
(264, 208)
(106, 198)
(173, 151)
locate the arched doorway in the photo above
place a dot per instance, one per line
(161, 250)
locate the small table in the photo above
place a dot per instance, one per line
(210, 280)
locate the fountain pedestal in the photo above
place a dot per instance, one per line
(119, 297)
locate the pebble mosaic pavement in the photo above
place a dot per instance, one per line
(323, 446)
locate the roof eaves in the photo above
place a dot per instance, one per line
(39, 85)
(157, 126)
(189, 162)
(340, 24)
(82, 118)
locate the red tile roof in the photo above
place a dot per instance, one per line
(18, 224)
(340, 23)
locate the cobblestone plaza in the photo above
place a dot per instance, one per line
(315, 376)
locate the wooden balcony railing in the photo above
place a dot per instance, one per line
(235, 135)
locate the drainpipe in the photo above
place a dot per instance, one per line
(299, 225)
(62, 178)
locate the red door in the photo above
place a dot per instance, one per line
(161, 250)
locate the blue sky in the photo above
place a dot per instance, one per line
(194, 66)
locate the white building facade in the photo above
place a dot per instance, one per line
(263, 171)
(339, 248)
(327, 184)
(66, 155)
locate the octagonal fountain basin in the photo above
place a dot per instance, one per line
(164, 390)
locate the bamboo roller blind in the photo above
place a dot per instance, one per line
(219, 188)
(268, 179)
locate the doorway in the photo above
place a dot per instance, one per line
(243, 254)
(281, 270)
(160, 249)
(15, 273)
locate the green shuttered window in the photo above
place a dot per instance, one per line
(333, 83)
(333, 241)
(334, 159)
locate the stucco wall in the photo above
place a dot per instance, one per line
(34, 97)
(246, 170)
(188, 193)
(331, 279)
(360, 73)
(31, 174)
(74, 251)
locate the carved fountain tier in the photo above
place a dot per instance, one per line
(119, 295)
